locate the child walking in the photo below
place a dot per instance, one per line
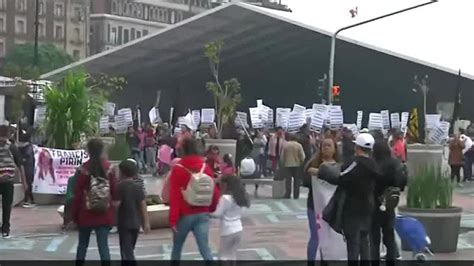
(229, 210)
(132, 211)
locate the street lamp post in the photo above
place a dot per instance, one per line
(36, 32)
(334, 37)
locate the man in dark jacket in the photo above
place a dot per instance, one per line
(358, 181)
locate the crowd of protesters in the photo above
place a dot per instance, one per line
(365, 168)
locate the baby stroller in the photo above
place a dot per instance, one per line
(413, 233)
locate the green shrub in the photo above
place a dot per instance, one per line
(120, 150)
(430, 189)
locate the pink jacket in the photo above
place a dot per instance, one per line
(273, 143)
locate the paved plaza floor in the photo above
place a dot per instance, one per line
(274, 230)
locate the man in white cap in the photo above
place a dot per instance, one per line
(358, 181)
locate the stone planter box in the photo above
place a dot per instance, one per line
(441, 225)
(158, 215)
(419, 155)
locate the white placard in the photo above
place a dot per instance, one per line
(196, 117)
(121, 124)
(241, 120)
(336, 117)
(255, 117)
(282, 117)
(265, 114)
(104, 124)
(309, 113)
(154, 115)
(395, 120)
(404, 121)
(259, 102)
(375, 121)
(323, 109)
(440, 134)
(126, 114)
(432, 121)
(298, 108)
(385, 119)
(317, 121)
(360, 116)
(270, 118)
(296, 121)
(39, 117)
(208, 115)
(110, 109)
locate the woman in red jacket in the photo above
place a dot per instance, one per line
(183, 217)
(84, 211)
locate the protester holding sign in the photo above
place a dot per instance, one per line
(276, 144)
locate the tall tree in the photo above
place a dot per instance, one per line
(20, 61)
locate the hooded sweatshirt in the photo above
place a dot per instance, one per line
(179, 180)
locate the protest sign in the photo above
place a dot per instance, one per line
(208, 115)
(404, 121)
(395, 120)
(385, 119)
(121, 124)
(317, 121)
(54, 167)
(270, 118)
(154, 115)
(336, 117)
(241, 120)
(298, 108)
(104, 125)
(432, 121)
(255, 117)
(282, 117)
(440, 134)
(196, 117)
(360, 116)
(296, 120)
(126, 114)
(375, 121)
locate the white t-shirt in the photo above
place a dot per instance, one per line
(467, 143)
(247, 167)
(230, 215)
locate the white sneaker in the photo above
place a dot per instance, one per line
(114, 230)
(28, 205)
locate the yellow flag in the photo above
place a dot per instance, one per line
(413, 134)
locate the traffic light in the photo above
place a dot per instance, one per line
(322, 86)
(336, 92)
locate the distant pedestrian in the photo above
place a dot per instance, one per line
(468, 156)
(275, 147)
(132, 211)
(258, 153)
(456, 158)
(293, 158)
(27, 153)
(227, 167)
(11, 165)
(229, 210)
(92, 209)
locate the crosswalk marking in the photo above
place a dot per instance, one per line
(55, 243)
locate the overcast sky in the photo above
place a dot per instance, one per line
(440, 33)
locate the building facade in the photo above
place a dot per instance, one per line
(61, 22)
(117, 22)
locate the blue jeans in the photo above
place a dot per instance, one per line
(102, 233)
(199, 225)
(313, 236)
(468, 161)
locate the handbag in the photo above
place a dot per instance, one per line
(332, 213)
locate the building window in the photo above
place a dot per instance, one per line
(165, 15)
(119, 35)
(126, 36)
(160, 15)
(114, 7)
(20, 26)
(108, 33)
(42, 8)
(41, 29)
(132, 34)
(180, 16)
(145, 32)
(76, 54)
(2, 49)
(139, 34)
(3, 4)
(21, 5)
(145, 13)
(77, 34)
(78, 13)
(172, 17)
(59, 32)
(113, 36)
(59, 9)
(2, 24)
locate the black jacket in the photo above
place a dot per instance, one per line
(358, 182)
(389, 169)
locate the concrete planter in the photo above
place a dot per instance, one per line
(441, 225)
(225, 146)
(419, 155)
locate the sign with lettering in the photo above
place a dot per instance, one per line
(54, 167)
